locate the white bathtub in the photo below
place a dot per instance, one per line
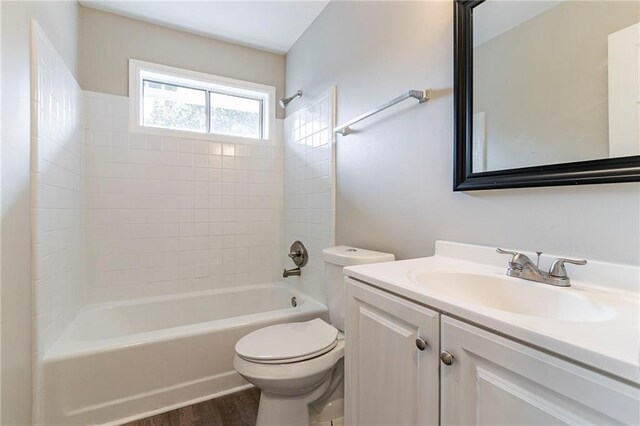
(121, 361)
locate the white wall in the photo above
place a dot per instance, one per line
(108, 41)
(168, 215)
(59, 20)
(394, 177)
(309, 187)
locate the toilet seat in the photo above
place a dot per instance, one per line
(294, 378)
(288, 343)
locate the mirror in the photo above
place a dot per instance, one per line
(547, 92)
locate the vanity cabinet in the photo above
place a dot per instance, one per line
(465, 375)
(494, 380)
(391, 359)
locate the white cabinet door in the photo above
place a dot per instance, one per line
(389, 380)
(495, 381)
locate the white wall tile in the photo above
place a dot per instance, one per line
(160, 209)
(57, 200)
(309, 186)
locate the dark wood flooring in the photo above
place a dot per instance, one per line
(236, 409)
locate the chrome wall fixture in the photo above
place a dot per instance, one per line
(286, 101)
(300, 256)
(421, 95)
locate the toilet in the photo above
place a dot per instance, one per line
(298, 364)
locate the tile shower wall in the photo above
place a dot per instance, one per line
(57, 199)
(309, 187)
(167, 215)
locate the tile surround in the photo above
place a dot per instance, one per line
(309, 187)
(57, 200)
(167, 215)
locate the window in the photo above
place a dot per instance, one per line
(174, 107)
(169, 100)
(233, 115)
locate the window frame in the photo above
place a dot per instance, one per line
(140, 71)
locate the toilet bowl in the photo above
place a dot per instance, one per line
(296, 365)
(293, 364)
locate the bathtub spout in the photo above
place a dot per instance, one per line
(291, 272)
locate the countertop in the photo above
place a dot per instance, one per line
(611, 345)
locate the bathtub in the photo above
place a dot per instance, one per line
(122, 361)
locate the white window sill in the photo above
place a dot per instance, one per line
(185, 134)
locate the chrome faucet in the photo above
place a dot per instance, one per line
(295, 272)
(520, 266)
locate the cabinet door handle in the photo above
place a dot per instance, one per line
(446, 358)
(421, 343)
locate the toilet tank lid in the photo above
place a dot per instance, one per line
(349, 256)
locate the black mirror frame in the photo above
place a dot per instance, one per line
(608, 170)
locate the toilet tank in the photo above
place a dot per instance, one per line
(336, 258)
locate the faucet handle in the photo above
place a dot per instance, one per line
(512, 253)
(558, 270)
(515, 263)
(294, 254)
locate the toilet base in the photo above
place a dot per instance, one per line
(331, 414)
(278, 410)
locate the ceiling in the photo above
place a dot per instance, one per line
(269, 25)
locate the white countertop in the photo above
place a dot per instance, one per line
(611, 345)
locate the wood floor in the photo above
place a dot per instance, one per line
(237, 409)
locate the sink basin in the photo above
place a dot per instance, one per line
(513, 295)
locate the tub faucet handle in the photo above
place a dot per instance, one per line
(294, 254)
(298, 253)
